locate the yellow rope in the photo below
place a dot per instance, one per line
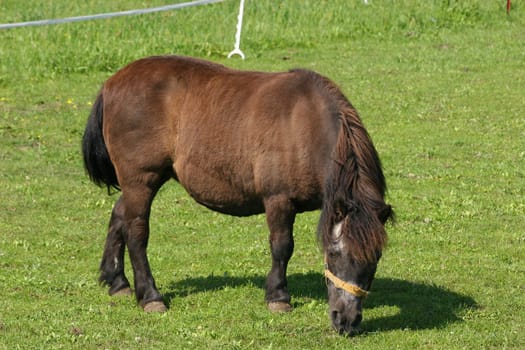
(348, 287)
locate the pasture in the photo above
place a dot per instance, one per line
(440, 87)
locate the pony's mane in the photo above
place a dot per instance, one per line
(355, 185)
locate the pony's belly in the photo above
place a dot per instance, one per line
(220, 193)
(226, 201)
(245, 208)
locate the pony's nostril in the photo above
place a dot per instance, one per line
(337, 321)
(357, 320)
(335, 316)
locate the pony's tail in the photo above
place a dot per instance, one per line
(97, 163)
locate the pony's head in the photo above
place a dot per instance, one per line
(352, 222)
(353, 242)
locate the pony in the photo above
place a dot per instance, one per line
(240, 143)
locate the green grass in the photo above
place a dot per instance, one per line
(439, 85)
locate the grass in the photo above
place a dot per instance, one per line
(440, 88)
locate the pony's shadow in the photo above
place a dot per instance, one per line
(408, 305)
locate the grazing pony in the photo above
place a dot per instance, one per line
(240, 143)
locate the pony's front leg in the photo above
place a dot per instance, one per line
(137, 203)
(112, 264)
(280, 215)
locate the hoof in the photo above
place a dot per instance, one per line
(155, 306)
(279, 306)
(123, 292)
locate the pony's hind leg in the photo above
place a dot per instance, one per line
(136, 204)
(280, 215)
(112, 264)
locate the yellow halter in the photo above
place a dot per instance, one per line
(347, 287)
(340, 284)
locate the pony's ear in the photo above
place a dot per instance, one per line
(385, 213)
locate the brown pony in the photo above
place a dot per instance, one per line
(240, 143)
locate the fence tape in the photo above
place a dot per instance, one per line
(107, 15)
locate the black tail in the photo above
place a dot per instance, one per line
(96, 158)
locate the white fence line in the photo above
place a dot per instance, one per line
(107, 15)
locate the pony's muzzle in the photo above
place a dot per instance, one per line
(346, 318)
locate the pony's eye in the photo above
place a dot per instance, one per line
(334, 251)
(339, 216)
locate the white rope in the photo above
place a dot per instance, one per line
(236, 48)
(107, 15)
